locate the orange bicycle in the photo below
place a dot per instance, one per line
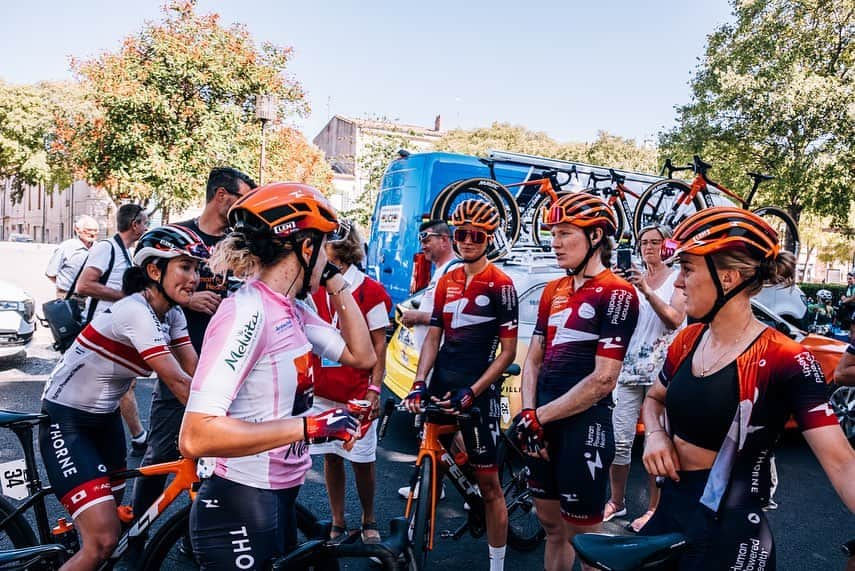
(434, 462)
(167, 543)
(671, 201)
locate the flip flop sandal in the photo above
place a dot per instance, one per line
(611, 511)
(635, 527)
(370, 534)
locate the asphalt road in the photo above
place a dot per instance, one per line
(809, 526)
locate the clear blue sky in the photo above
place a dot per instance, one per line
(569, 68)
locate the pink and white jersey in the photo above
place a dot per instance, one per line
(256, 366)
(111, 351)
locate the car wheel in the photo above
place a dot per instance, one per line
(843, 403)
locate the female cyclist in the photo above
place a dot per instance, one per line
(254, 382)
(82, 440)
(584, 325)
(661, 311)
(728, 385)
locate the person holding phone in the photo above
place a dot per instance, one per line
(661, 312)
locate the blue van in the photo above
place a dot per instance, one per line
(412, 182)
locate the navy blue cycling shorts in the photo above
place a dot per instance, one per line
(80, 450)
(581, 450)
(233, 526)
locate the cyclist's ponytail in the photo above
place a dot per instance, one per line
(778, 271)
(246, 251)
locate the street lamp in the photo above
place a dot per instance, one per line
(265, 111)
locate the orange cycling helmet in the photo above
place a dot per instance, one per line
(583, 210)
(725, 227)
(478, 213)
(284, 208)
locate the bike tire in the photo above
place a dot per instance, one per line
(491, 191)
(654, 204)
(536, 232)
(167, 546)
(784, 225)
(419, 518)
(17, 533)
(525, 532)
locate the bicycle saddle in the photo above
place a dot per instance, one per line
(9, 417)
(760, 176)
(626, 553)
(31, 554)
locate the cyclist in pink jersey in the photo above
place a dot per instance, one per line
(254, 383)
(82, 440)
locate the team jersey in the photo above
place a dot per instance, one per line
(777, 377)
(473, 318)
(597, 320)
(256, 366)
(111, 351)
(333, 380)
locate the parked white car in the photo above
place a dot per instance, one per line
(17, 319)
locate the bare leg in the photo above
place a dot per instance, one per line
(495, 509)
(559, 554)
(619, 476)
(334, 478)
(366, 481)
(99, 530)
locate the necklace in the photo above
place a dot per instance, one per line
(706, 370)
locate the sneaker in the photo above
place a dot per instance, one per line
(139, 444)
(405, 493)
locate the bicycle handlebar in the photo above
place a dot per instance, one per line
(671, 169)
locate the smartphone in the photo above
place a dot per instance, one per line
(624, 259)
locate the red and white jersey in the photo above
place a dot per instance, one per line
(111, 351)
(256, 366)
(597, 320)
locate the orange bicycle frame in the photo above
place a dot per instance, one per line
(431, 446)
(185, 479)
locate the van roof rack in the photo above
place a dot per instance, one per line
(581, 168)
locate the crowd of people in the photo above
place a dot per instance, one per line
(269, 342)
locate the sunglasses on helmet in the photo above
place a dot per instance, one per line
(477, 236)
(341, 232)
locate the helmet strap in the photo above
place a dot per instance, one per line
(159, 284)
(722, 298)
(584, 263)
(308, 266)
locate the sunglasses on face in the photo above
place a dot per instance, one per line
(425, 235)
(477, 236)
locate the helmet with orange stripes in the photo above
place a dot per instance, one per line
(583, 210)
(478, 213)
(725, 227)
(284, 208)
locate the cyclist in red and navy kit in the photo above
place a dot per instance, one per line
(584, 324)
(728, 385)
(475, 307)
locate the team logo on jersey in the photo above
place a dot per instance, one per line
(459, 318)
(587, 311)
(823, 408)
(241, 345)
(482, 301)
(608, 342)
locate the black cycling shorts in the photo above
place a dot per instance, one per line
(739, 537)
(233, 526)
(581, 450)
(480, 432)
(79, 450)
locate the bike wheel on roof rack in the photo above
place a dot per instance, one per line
(784, 225)
(490, 191)
(664, 202)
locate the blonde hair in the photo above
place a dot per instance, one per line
(245, 252)
(780, 271)
(349, 251)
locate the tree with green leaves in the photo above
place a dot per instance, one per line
(31, 137)
(177, 98)
(774, 92)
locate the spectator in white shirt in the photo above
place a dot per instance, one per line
(68, 258)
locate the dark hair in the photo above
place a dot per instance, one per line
(227, 178)
(438, 226)
(136, 278)
(127, 215)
